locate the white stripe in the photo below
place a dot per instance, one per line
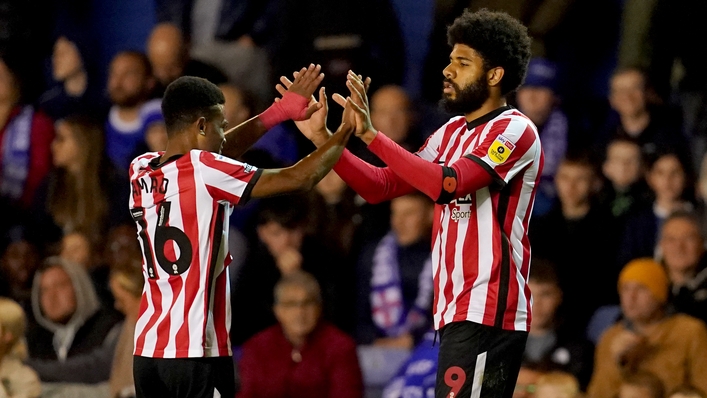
(478, 375)
(145, 317)
(222, 181)
(484, 225)
(438, 261)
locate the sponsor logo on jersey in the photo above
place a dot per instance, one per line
(501, 149)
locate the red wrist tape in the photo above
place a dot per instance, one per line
(291, 106)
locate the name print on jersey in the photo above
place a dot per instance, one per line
(157, 184)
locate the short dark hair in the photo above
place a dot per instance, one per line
(500, 39)
(188, 98)
(290, 211)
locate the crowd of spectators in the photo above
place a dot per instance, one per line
(331, 295)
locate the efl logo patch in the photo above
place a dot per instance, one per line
(501, 149)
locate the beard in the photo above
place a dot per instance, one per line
(124, 99)
(468, 99)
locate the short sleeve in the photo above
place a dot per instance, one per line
(227, 179)
(510, 145)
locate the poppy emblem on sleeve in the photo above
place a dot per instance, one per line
(449, 184)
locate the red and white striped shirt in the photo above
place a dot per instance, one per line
(481, 252)
(181, 209)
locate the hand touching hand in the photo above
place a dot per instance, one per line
(314, 128)
(360, 114)
(295, 103)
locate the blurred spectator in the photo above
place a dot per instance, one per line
(283, 246)
(641, 384)
(392, 112)
(84, 191)
(231, 35)
(336, 215)
(669, 181)
(121, 247)
(169, 57)
(649, 338)
(133, 116)
(394, 278)
(677, 69)
(635, 114)
(18, 264)
(682, 247)
(73, 338)
(550, 345)
(579, 237)
(536, 98)
(280, 141)
(686, 391)
(25, 138)
(557, 384)
(78, 248)
(527, 379)
(625, 191)
(417, 375)
(302, 356)
(18, 379)
(126, 284)
(327, 33)
(76, 86)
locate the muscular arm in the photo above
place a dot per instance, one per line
(441, 183)
(306, 173)
(243, 136)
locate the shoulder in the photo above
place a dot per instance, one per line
(687, 324)
(265, 339)
(152, 107)
(337, 340)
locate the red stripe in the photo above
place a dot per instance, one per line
(470, 253)
(495, 274)
(221, 194)
(234, 170)
(525, 268)
(220, 313)
(190, 225)
(436, 236)
(163, 327)
(525, 142)
(512, 299)
(447, 135)
(212, 232)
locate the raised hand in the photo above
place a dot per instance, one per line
(358, 99)
(295, 103)
(314, 128)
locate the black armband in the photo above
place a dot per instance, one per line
(449, 186)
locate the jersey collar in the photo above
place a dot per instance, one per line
(487, 117)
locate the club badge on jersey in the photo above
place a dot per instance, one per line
(501, 149)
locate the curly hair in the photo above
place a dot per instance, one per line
(501, 40)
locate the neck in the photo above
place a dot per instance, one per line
(296, 341)
(668, 205)
(75, 85)
(178, 144)
(646, 327)
(539, 331)
(681, 277)
(491, 104)
(635, 124)
(128, 113)
(575, 211)
(331, 198)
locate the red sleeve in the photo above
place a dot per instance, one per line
(441, 183)
(345, 380)
(374, 184)
(40, 155)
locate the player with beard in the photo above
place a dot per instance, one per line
(482, 169)
(134, 118)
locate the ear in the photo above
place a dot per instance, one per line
(494, 76)
(201, 124)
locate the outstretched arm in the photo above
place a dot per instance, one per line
(441, 183)
(293, 105)
(374, 184)
(306, 173)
